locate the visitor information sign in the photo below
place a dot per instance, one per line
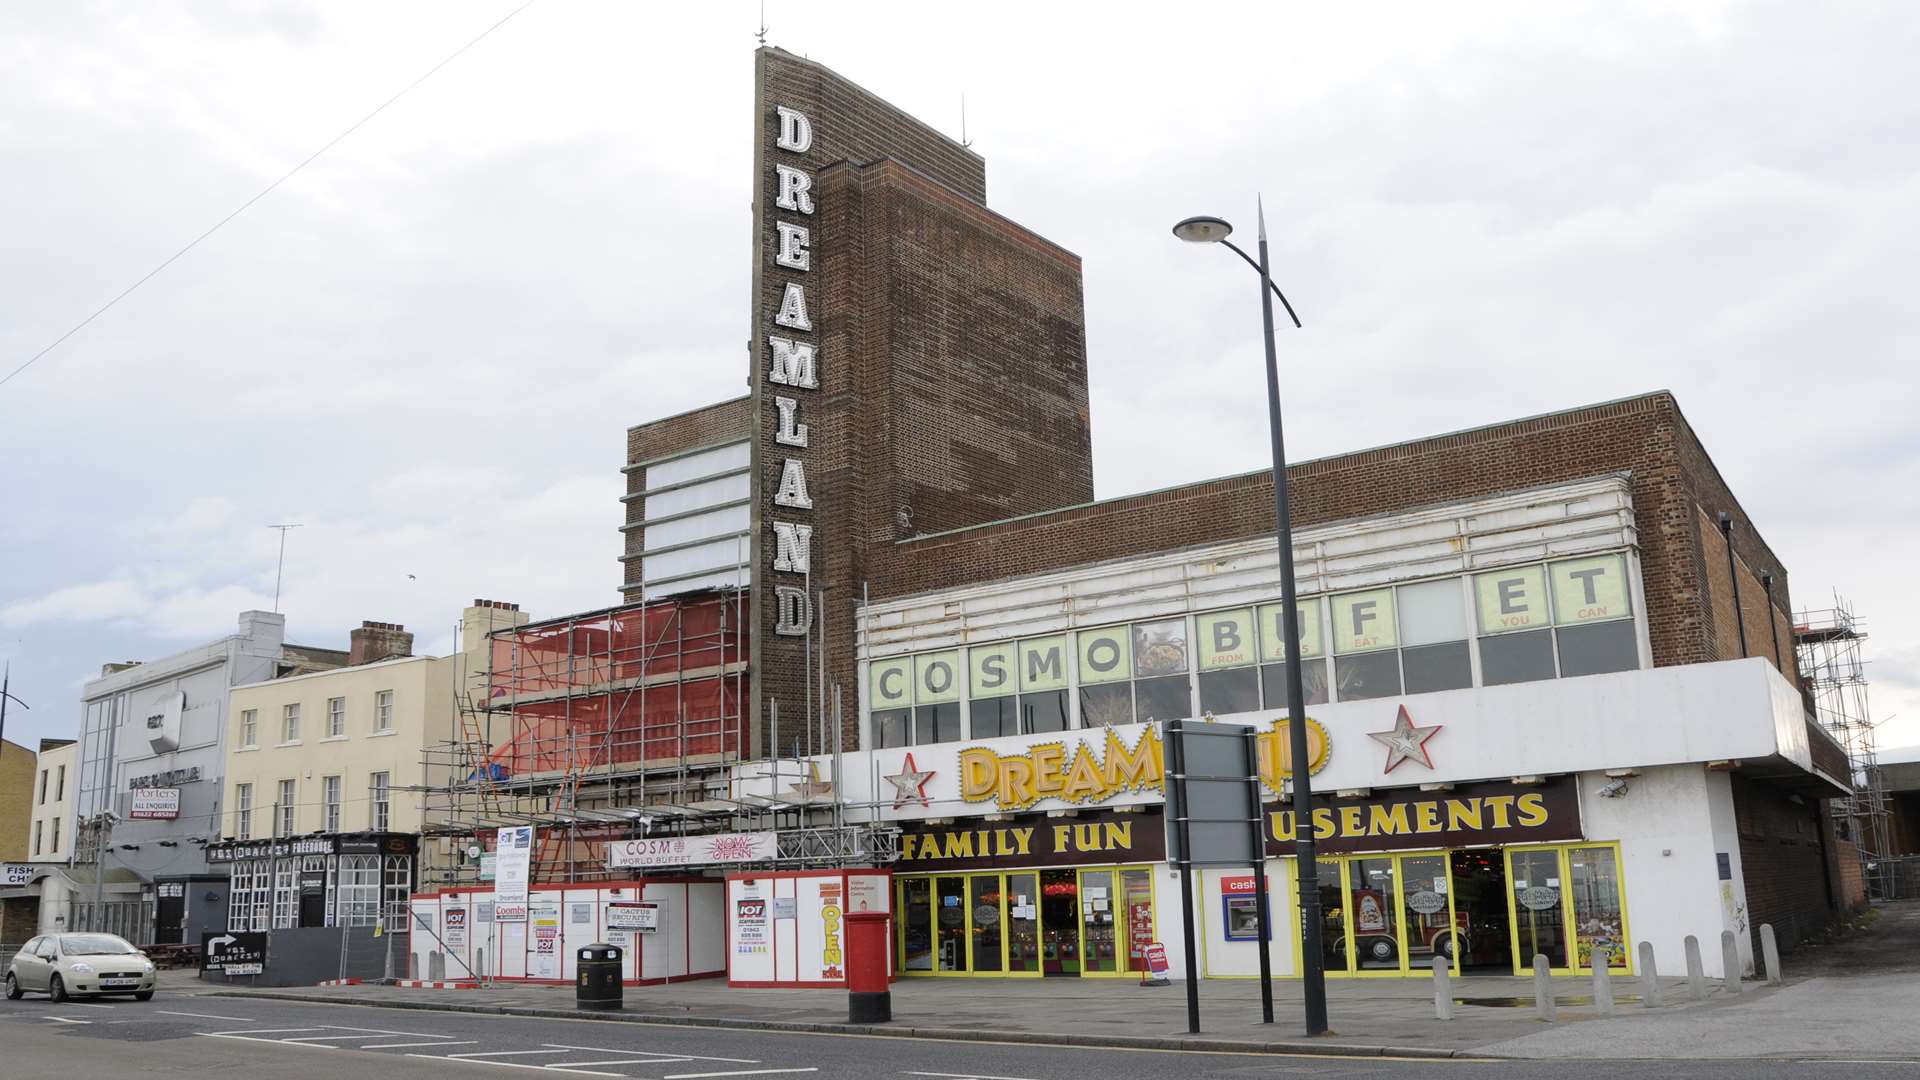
(511, 871)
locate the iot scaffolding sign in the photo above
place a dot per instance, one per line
(1215, 819)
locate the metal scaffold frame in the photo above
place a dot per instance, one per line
(612, 725)
(1833, 674)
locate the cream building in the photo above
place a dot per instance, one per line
(53, 801)
(325, 771)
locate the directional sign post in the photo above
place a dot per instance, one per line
(236, 953)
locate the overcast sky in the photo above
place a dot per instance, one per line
(426, 347)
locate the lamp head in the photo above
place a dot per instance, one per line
(1203, 230)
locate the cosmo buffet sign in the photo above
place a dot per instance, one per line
(715, 849)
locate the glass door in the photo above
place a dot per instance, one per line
(1096, 915)
(1022, 909)
(1374, 907)
(1539, 920)
(916, 924)
(1059, 922)
(1335, 949)
(950, 930)
(1136, 889)
(1426, 911)
(1599, 917)
(988, 923)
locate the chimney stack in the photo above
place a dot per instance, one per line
(377, 641)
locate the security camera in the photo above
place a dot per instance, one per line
(1613, 789)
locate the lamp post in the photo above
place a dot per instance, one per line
(1213, 230)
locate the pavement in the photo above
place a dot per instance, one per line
(1855, 1000)
(179, 1035)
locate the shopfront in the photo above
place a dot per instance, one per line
(1034, 896)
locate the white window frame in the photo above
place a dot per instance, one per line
(383, 710)
(290, 722)
(336, 717)
(331, 788)
(243, 811)
(283, 817)
(379, 801)
(249, 728)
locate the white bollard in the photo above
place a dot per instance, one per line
(1730, 961)
(1650, 996)
(1543, 988)
(1696, 970)
(436, 966)
(1442, 989)
(1603, 980)
(1770, 953)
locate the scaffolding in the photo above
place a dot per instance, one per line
(1833, 676)
(612, 725)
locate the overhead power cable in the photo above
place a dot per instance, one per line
(263, 193)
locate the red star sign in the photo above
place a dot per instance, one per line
(910, 784)
(1406, 741)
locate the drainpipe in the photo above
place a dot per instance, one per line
(1739, 616)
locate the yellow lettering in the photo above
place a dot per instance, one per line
(979, 768)
(1023, 838)
(1086, 838)
(1387, 820)
(959, 845)
(1426, 817)
(1323, 826)
(1017, 788)
(1046, 769)
(1280, 823)
(1533, 809)
(1133, 769)
(1351, 821)
(1463, 814)
(1062, 838)
(1083, 781)
(1500, 805)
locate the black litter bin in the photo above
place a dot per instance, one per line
(598, 986)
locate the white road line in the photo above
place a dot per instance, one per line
(207, 1016)
(259, 1031)
(498, 1053)
(396, 1046)
(512, 1065)
(565, 1065)
(737, 1072)
(967, 1076)
(269, 1042)
(320, 1038)
(84, 1005)
(644, 1053)
(64, 1020)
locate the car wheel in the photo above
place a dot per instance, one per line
(143, 995)
(14, 992)
(56, 989)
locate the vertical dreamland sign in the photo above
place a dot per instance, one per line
(814, 133)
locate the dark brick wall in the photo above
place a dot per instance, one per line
(1787, 854)
(723, 422)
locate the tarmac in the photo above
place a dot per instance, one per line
(1857, 1000)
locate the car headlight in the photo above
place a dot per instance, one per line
(81, 967)
(149, 967)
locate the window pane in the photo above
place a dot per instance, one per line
(1438, 667)
(1513, 599)
(1431, 612)
(936, 677)
(1313, 683)
(1369, 675)
(890, 683)
(1043, 712)
(994, 717)
(1596, 906)
(1043, 663)
(1234, 690)
(1273, 635)
(1226, 638)
(1160, 648)
(890, 727)
(936, 723)
(1376, 922)
(1590, 590)
(1105, 655)
(1162, 699)
(1538, 917)
(992, 670)
(1363, 622)
(1106, 705)
(1512, 658)
(1599, 647)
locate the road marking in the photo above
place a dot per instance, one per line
(675, 1057)
(512, 1065)
(64, 1020)
(317, 1038)
(269, 1042)
(396, 1046)
(84, 1005)
(498, 1053)
(563, 1066)
(969, 1076)
(208, 1016)
(261, 1031)
(737, 1072)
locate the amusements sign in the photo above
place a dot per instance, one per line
(1470, 814)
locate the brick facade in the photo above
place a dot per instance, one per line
(1789, 859)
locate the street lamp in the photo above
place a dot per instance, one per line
(1213, 230)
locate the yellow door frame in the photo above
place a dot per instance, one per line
(967, 877)
(1568, 916)
(1349, 939)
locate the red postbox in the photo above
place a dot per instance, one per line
(868, 942)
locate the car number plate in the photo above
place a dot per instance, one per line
(119, 982)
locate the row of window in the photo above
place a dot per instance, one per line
(1518, 624)
(266, 893)
(335, 719)
(332, 818)
(53, 847)
(60, 785)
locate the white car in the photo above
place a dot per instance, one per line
(63, 965)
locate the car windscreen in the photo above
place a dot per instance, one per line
(94, 945)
